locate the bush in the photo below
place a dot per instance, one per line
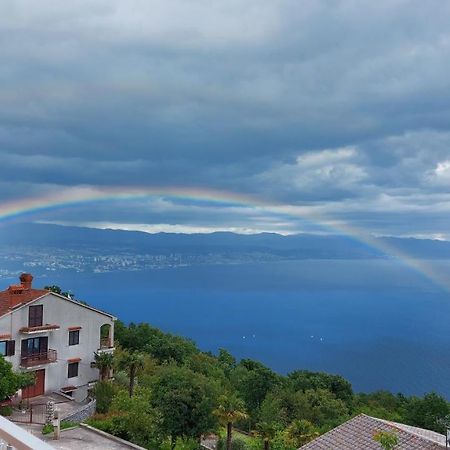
(182, 444)
(48, 427)
(5, 410)
(104, 392)
(236, 444)
(102, 422)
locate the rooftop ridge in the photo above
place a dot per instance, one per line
(433, 436)
(357, 434)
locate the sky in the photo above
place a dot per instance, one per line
(340, 107)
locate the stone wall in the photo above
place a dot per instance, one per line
(82, 414)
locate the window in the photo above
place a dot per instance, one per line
(35, 315)
(7, 348)
(34, 346)
(72, 370)
(74, 337)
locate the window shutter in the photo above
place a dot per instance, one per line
(35, 314)
(10, 348)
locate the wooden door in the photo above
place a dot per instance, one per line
(38, 388)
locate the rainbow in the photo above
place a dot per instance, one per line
(87, 194)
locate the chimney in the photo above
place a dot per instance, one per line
(26, 279)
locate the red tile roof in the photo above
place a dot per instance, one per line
(357, 434)
(19, 294)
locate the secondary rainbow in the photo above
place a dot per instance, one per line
(88, 194)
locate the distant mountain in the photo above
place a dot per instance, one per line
(300, 245)
(43, 247)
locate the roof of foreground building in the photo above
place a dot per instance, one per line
(18, 295)
(357, 434)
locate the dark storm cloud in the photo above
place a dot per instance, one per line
(343, 106)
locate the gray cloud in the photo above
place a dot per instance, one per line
(341, 106)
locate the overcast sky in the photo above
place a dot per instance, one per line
(342, 107)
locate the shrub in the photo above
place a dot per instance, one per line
(387, 439)
(5, 410)
(47, 428)
(68, 424)
(104, 392)
(102, 422)
(236, 444)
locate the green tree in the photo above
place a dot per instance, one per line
(186, 401)
(104, 392)
(104, 361)
(303, 380)
(381, 404)
(299, 433)
(135, 419)
(206, 365)
(320, 407)
(10, 381)
(226, 361)
(58, 290)
(132, 363)
(253, 381)
(427, 412)
(387, 439)
(267, 431)
(162, 346)
(231, 409)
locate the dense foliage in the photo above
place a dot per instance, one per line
(10, 381)
(166, 394)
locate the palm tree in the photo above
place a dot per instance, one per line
(131, 362)
(267, 431)
(104, 362)
(230, 410)
(300, 432)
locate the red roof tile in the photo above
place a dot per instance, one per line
(19, 294)
(357, 434)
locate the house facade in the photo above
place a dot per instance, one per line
(53, 336)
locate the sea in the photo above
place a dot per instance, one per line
(377, 323)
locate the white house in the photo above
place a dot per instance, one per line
(53, 336)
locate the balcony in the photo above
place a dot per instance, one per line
(37, 359)
(106, 345)
(38, 329)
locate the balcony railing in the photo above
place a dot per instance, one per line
(37, 359)
(105, 343)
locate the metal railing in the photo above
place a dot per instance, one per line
(106, 343)
(35, 359)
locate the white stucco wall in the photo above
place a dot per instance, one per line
(65, 314)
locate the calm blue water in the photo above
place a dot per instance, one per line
(377, 323)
